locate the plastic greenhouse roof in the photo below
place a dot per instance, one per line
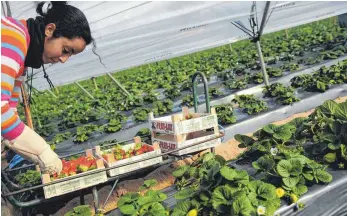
(130, 34)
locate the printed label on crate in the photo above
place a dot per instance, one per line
(165, 145)
(162, 126)
(197, 124)
(74, 184)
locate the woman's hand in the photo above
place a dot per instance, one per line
(32, 147)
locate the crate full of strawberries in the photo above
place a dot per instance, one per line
(75, 167)
(121, 154)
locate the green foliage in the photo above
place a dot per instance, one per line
(162, 107)
(83, 132)
(225, 114)
(82, 210)
(29, 178)
(172, 92)
(188, 100)
(284, 95)
(141, 114)
(250, 104)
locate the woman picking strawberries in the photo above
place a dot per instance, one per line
(58, 33)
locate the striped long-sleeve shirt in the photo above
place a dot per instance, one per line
(15, 41)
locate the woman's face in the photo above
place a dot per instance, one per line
(60, 49)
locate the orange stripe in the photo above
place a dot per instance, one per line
(15, 94)
(9, 122)
(7, 32)
(8, 70)
(13, 41)
(6, 86)
(5, 108)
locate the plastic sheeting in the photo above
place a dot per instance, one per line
(129, 34)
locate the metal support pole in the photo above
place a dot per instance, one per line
(96, 199)
(261, 58)
(119, 85)
(91, 96)
(113, 187)
(207, 97)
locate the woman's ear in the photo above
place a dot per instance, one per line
(50, 28)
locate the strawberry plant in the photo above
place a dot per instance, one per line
(151, 96)
(216, 189)
(225, 114)
(284, 95)
(236, 84)
(172, 92)
(84, 132)
(149, 203)
(141, 114)
(29, 178)
(326, 128)
(256, 78)
(162, 107)
(188, 100)
(250, 104)
(274, 72)
(290, 67)
(82, 210)
(112, 126)
(214, 92)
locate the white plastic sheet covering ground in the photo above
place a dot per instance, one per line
(129, 34)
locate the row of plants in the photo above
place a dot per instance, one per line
(52, 115)
(319, 81)
(288, 159)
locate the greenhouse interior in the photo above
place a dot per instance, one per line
(180, 108)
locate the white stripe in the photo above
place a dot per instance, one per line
(10, 63)
(3, 103)
(14, 25)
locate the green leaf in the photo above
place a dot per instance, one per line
(334, 146)
(228, 173)
(241, 177)
(324, 176)
(283, 132)
(220, 160)
(264, 163)
(127, 209)
(208, 156)
(262, 190)
(222, 197)
(242, 206)
(330, 157)
(128, 198)
(204, 196)
(181, 208)
(308, 176)
(243, 139)
(296, 166)
(291, 181)
(150, 183)
(180, 171)
(300, 189)
(329, 107)
(341, 111)
(157, 209)
(185, 193)
(283, 168)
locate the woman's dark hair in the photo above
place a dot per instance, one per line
(70, 22)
